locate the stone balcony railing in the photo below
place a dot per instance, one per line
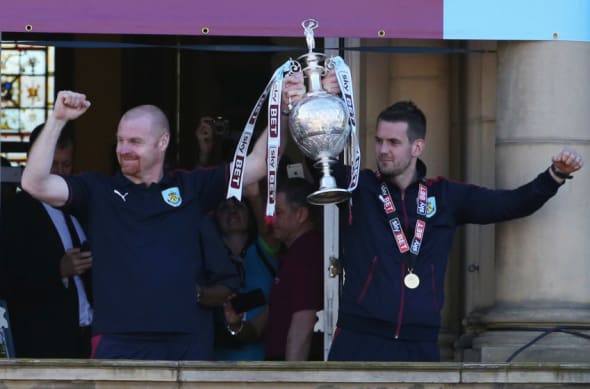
(318, 375)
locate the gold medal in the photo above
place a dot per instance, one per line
(411, 281)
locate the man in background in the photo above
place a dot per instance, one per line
(297, 293)
(46, 275)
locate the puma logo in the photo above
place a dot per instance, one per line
(121, 195)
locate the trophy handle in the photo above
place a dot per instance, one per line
(328, 65)
(294, 67)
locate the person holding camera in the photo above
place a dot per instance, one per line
(253, 251)
(214, 143)
(297, 293)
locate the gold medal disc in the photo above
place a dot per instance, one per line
(411, 281)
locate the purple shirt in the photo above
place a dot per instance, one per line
(299, 286)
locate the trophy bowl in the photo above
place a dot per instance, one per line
(319, 126)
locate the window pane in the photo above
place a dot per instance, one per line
(27, 93)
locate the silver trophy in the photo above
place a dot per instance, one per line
(319, 122)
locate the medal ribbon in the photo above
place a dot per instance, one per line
(273, 145)
(239, 161)
(396, 227)
(345, 83)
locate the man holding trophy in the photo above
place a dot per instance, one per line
(400, 224)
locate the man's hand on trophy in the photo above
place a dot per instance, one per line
(330, 83)
(293, 91)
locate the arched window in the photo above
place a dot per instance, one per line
(27, 79)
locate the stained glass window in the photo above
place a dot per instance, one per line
(27, 79)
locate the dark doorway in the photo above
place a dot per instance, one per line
(187, 77)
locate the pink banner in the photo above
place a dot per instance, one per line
(422, 19)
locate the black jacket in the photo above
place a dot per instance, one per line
(43, 312)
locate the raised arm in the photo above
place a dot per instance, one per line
(37, 179)
(293, 90)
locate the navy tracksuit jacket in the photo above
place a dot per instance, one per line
(374, 299)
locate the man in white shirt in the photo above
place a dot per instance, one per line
(47, 272)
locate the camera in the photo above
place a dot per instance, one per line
(243, 302)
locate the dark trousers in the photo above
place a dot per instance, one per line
(84, 342)
(152, 346)
(350, 345)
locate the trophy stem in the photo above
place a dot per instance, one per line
(329, 193)
(313, 71)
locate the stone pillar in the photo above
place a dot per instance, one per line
(542, 262)
(479, 168)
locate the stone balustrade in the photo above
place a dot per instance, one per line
(293, 375)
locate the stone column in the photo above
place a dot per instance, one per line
(479, 168)
(542, 262)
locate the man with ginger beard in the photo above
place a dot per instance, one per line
(142, 225)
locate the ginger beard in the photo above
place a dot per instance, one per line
(137, 162)
(130, 163)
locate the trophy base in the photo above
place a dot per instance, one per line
(328, 196)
